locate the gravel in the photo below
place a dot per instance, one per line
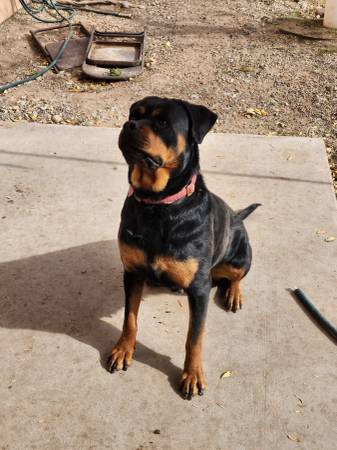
(227, 55)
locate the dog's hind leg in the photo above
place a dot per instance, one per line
(228, 278)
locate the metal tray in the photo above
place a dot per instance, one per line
(103, 73)
(50, 40)
(107, 50)
(111, 53)
(74, 54)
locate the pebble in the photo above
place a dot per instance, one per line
(57, 118)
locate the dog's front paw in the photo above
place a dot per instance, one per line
(233, 297)
(192, 383)
(121, 357)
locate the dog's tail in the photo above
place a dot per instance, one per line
(243, 213)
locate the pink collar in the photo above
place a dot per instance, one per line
(186, 191)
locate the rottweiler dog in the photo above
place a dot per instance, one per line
(174, 232)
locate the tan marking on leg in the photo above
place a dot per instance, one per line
(180, 272)
(233, 297)
(193, 378)
(227, 271)
(132, 257)
(121, 354)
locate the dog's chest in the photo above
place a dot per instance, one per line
(161, 266)
(152, 246)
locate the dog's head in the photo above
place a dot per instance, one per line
(158, 139)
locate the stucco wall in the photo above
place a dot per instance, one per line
(7, 8)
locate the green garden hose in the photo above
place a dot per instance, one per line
(58, 13)
(54, 10)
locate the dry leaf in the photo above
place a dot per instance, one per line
(293, 438)
(300, 404)
(226, 374)
(257, 112)
(247, 69)
(330, 239)
(219, 404)
(299, 398)
(179, 303)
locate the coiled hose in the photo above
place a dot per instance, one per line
(57, 13)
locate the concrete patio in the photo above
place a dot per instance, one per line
(61, 303)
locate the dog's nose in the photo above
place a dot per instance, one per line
(131, 125)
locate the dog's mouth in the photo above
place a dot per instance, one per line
(134, 153)
(151, 162)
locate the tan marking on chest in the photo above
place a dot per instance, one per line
(132, 257)
(180, 272)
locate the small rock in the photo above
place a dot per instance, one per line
(56, 118)
(156, 431)
(330, 239)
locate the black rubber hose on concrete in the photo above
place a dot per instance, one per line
(315, 313)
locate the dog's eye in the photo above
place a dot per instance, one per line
(161, 123)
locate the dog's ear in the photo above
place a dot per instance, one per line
(202, 120)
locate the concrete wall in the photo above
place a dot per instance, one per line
(7, 8)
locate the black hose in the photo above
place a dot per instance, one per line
(315, 313)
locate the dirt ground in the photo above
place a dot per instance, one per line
(224, 54)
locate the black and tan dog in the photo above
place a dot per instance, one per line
(174, 232)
